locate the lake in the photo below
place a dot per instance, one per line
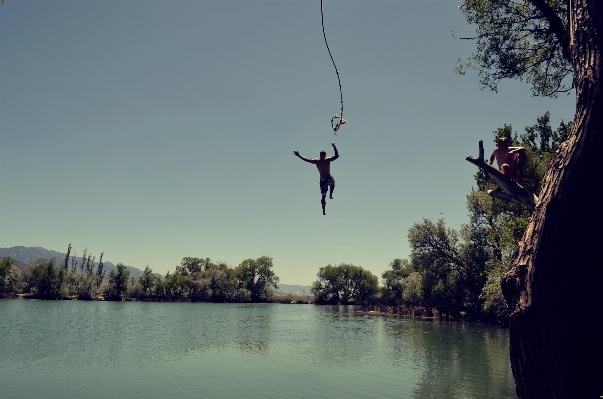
(77, 349)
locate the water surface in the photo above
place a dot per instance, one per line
(77, 349)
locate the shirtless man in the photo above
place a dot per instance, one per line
(511, 160)
(324, 168)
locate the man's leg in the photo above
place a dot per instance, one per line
(331, 189)
(323, 201)
(506, 169)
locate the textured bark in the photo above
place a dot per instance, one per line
(555, 287)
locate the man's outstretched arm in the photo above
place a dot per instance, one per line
(304, 158)
(336, 153)
(515, 150)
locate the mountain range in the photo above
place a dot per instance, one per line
(25, 255)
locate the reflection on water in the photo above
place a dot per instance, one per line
(151, 350)
(458, 359)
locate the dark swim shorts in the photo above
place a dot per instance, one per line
(325, 183)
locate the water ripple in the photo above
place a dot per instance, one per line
(61, 349)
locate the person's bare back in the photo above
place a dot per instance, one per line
(323, 164)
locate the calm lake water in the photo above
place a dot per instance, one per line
(76, 349)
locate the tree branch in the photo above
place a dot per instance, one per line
(557, 27)
(511, 191)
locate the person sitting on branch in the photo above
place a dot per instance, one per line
(511, 160)
(324, 168)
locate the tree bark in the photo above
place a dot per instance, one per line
(555, 287)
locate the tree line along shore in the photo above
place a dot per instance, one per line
(449, 273)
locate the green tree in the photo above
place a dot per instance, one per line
(257, 277)
(194, 265)
(524, 39)
(191, 272)
(326, 289)
(451, 267)
(412, 287)
(344, 284)
(221, 282)
(496, 227)
(174, 286)
(159, 289)
(393, 278)
(45, 280)
(147, 282)
(9, 277)
(87, 282)
(100, 272)
(118, 283)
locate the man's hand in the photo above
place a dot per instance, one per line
(296, 153)
(331, 159)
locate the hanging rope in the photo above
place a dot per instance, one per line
(337, 120)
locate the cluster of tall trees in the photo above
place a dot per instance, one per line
(344, 284)
(453, 272)
(194, 280)
(458, 272)
(201, 280)
(45, 279)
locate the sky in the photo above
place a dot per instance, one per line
(155, 130)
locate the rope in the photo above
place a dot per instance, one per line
(338, 118)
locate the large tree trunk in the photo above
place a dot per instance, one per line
(555, 288)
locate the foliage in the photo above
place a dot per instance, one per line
(458, 272)
(256, 277)
(393, 279)
(520, 39)
(450, 266)
(147, 283)
(344, 284)
(45, 280)
(412, 289)
(9, 277)
(222, 282)
(495, 306)
(85, 284)
(194, 280)
(201, 280)
(118, 283)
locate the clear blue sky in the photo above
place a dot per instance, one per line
(154, 130)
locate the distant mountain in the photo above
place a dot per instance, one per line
(26, 255)
(284, 289)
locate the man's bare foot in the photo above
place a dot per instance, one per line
(331, 197)
(324, 213)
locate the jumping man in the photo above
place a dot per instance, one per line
(324, 168)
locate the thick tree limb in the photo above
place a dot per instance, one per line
(557, 27)
(511, 191)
